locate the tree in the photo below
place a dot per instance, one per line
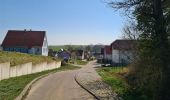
(153, 21)
(130, 31)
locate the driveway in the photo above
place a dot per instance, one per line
(60, 86)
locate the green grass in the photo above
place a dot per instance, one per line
(109, 75)
(115, 78)
(66, 47)
(80, 62)
(11, 88)
(20, 58)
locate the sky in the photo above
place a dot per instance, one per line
(76, 22)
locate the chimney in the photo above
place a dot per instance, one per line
(30, 29)
(25, 30)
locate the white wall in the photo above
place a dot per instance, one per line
(108, 56)
(115, 56)
(119, 56)
(45, 47)
(127, 56)
(6, 71)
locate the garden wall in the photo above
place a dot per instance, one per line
(6, 71)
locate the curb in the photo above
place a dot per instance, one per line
(75, 77)
(26, 90)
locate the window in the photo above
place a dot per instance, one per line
(6, 49)
(11, 49)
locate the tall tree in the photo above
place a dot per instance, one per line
(153, 70)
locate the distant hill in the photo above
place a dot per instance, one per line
(66, 47)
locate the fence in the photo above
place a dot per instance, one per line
(6, 71)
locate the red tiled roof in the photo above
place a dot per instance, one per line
(24, 38)
(124, 44)
(108, 50)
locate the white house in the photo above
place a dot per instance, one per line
(123, 51)
(107, 54)
(31, 42)
(80, 54)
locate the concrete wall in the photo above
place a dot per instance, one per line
(39, 67)
(6, 71)
(115, 56)
(108, 56)
(122, 56)
(126, 56)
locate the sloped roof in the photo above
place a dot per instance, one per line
(17, 38)
(108, 49)
(124, 44)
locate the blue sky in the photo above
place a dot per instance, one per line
(65, 21)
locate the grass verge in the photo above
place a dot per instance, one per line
(80, 62)
(115, 77)
(11, 88)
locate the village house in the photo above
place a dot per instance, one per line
(107, 57)
(123, 51)
(80, 54)
(64, 55)
(98, 51)
(26, 41)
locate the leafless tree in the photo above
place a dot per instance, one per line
(130, 31)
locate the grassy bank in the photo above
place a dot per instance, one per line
(19, 58)
(115, 77)
(11, 88)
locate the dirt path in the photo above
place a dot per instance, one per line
(60, 86)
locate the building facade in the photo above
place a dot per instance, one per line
(123, 52)
(31, 42)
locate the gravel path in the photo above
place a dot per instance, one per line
(91, 81)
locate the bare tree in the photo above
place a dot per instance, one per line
(130, 31)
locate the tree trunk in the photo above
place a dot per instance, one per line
(160, 40)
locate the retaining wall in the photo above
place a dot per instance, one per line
(6, 71)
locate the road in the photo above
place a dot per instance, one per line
(60, 86)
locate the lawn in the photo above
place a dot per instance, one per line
(20, 58)
(80, 62)
(11, 88)
(115, 77)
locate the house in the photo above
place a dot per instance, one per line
(31, 42)
(80, 54)
(64, 55)
(123, 51)
(107, 57)
(98, 51)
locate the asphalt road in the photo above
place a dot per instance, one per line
(59, 86)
